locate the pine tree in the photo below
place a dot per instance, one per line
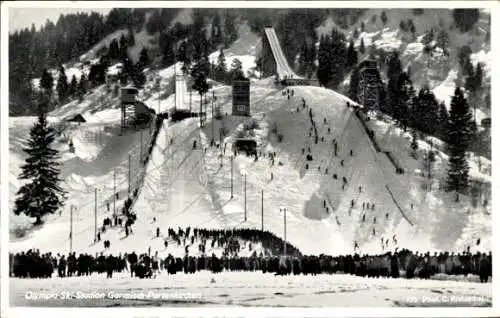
(428, 37)
(123, 44)
(479, 76)
(258, 64)
(394, 71)
(47, 82)
(202, 64)
(362, 46)
(383, 17)
(216, 31)
(200, 84)
(353, 85)
(470, 77)
(459, 135)
(425, 114)
(352, 55)
(405, 95)
(402, 26)
(221, 68)
(114, 50)
(229, 31)
(303, 59)
(155, 23)
(185, 57)
(443, 117)
(324, 62)
(443, 39)
(62, 85)
(97, 74)
(168, 57)
(130, 37)
(465, 18)
(144, 59)
(82, 86)
(136, 73)
(464, 56)
(355, 33)
(338, 59)
(414, 144)
(42, 195)
(73, 86)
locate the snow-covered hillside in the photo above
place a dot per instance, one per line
(183, 186)
(98, 148)
(443, 71)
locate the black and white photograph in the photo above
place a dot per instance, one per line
(248, 156)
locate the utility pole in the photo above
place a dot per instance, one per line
(129, 173)
(159, 94)
(262, 210)
(245, 197)
(284, 223)
(201, 110)
(71, 229)
(95, 215)
(206, 102)
(114, 193)
(231, 177)
(213, 132)
(190, 96)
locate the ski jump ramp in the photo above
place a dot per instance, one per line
(282, 67)
(276, 63)
(180, 91)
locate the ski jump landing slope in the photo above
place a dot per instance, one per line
(304, 191)
(282, 66)
(180, 89)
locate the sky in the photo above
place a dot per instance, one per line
(20, 18)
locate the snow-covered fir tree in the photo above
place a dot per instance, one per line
(47, 82)
(42, 194)
(353, 84)
(62, 85)
(221, 67)
(459, 135)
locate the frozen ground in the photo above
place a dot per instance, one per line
(248, 289)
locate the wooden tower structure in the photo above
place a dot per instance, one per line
(127, 102)
(369, 84)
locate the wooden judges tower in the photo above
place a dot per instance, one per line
(127, 103)
(241, 97)
(369, 84)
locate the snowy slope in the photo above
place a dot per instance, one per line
(443, 70)
(99, 151)
(303, 192)
(184, 186)
(189, 187)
